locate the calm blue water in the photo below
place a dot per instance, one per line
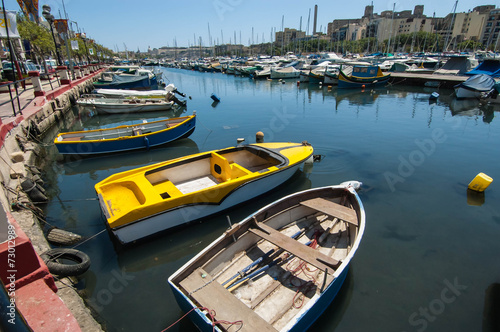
(429, 257)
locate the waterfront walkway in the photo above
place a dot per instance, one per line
(33, 285)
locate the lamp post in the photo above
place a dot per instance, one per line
(50, 18)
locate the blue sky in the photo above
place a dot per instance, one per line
(140, 24)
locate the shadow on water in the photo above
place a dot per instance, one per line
(176, 149)
(491, 318)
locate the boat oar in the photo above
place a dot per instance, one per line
(256, 273)
(242, 272)
(262, 269)
(245, 270)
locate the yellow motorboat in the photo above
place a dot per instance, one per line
(147, 200)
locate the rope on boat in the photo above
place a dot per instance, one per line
(211, 314)
(303, 288)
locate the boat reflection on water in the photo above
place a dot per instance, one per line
(357, 97)
(78, 165)
(182, 244)
(472, 108)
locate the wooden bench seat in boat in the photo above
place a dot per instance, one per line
(306, 253)
(214, 296)
(332, 209)
(72, 138)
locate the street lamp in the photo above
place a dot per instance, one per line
(50, 18)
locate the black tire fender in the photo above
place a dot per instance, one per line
(55, 267)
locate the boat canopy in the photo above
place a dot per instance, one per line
(366, 71)
(121, 79)
(489, 67)
(481, 82)
(457, 65)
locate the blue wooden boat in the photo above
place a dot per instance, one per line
(125, 138)
(279, 268)
(363, 77)
(142, 80)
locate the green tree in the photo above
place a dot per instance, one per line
(470, 45)
(40, 38)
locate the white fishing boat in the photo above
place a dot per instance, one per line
(122, 105)
(288, 72)
(148, 94)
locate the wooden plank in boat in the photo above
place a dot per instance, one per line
(307, 254)
(332, 209)
(72, 138)
(214, 296)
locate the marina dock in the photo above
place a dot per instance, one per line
(443, 81)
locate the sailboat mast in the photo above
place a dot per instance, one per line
(392, 24)
(450, 28)
(283, 34)
(300, 30)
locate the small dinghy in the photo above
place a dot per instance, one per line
(125, 138)
(279, 268)
(474, 87)
(103, 104)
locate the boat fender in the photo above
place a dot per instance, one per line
(82, 261)
(146, 142)
(33, 191)
(353, 183)
(63, 238)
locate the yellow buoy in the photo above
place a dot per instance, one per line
(480, 182)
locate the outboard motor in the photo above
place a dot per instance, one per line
(172, 97)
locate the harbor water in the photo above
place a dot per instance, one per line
(429, 257)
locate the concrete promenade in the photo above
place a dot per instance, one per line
(45, 302)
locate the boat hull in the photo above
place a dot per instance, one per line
(303, 77)
(278, 74)
(331, 79)
(95, 147)
(463, 93)
(316, 78)
(125, 107)
(185, 214)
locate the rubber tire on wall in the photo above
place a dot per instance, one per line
(82, 259)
